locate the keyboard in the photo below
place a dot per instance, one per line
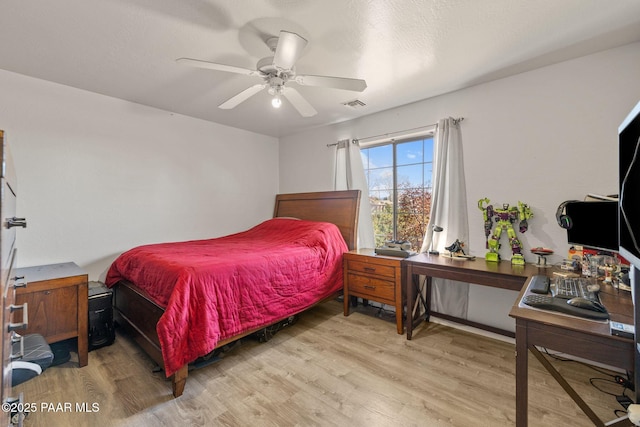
(571, 287)
(553, 295)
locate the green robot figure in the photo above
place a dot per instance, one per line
(504, 219)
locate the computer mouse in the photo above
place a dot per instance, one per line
(587, 304)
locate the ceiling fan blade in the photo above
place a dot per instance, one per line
(357, 85)
(242, 96)
(299, 103)
(288, 50)
(218, 67)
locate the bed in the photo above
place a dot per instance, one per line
(178, 307)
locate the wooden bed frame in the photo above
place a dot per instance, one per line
(138, 315)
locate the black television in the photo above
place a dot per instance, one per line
(594, 224)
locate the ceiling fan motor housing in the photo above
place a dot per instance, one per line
(267, 68)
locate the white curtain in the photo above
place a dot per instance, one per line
(449, 211)
(349, 175)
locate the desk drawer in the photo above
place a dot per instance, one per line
(369, 268)
(377, 289)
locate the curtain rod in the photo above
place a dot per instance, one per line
(389, 135)
(353, 141)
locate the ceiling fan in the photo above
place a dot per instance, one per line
(278, 70)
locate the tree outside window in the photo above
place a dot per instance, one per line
(399, 179)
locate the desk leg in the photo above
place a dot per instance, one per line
(408, 282)
(427, 305)
(522, 380)
(415, 300)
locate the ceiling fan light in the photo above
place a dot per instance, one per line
(276, 102)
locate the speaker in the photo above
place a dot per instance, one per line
(101, 331)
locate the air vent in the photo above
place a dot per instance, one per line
(356, 103)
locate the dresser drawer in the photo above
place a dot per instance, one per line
(376, 289)
(370, 268)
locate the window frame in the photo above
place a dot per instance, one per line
(395, 142)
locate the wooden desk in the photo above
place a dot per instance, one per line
(583, 338)
(501, 274)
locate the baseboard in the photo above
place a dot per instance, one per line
(472, 330)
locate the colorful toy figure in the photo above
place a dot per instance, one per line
(504, 219)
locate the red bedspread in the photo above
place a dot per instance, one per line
(217, 288)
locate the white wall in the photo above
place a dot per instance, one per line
(540, 137)
(99, 175)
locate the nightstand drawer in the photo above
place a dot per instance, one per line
(368, 286)
(369, 268)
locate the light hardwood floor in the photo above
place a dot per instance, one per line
(325, 370)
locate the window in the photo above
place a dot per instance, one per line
(399, 179)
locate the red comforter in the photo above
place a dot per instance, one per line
(217, 288)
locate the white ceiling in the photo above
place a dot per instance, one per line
(406, 50)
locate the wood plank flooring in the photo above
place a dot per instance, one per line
(325, 370)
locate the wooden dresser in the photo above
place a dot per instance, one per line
(14, 318)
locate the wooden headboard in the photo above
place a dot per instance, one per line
(338, 207)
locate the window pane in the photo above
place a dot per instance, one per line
(380, 179)
(410, 176)
(409, 152)
(380, 157)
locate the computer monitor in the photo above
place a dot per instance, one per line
(629, 216)
(629, 183)
(594, 224)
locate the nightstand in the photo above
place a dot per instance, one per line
(57, 302)
(374, 277)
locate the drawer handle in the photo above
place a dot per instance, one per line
(369, 287)
(19, 284)
(16, 222)
(25, 317)
(17, 338)
(370, 269)
(16, 409)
